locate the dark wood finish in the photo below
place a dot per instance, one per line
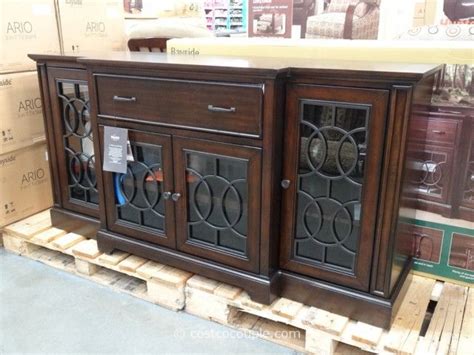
(425, 245)
(461, 254)
(137, 44)
(117, 225)
(55, 124)
(377, 100)
(170, 109)
(443, 134)
(233, 108)
(251, 156)
(436, 130)
(378, 311)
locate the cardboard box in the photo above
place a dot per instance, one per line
(91, 25)
(446, 249)
(25, 183)
(27, 26)
(21, 116)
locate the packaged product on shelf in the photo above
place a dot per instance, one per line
(90, 25)
(25, 183)
(28, 26)
(21, 117)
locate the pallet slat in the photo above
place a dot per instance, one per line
(27, 227)
(403, 335)
(131, 263)
(67, 247)
(466, 338)
(113, 258)
(326, 321)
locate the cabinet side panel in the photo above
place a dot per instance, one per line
(404, 233)
(48, 126)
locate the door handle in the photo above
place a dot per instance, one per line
(285, 184)
(213, 108)
(175, 197)
(125, 98)
(166, 195)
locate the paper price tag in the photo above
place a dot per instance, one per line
(115, 149)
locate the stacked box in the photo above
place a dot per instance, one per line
(27, 26)
(90, 25)
(21, 117)
(25, 183)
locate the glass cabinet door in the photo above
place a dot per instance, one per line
(332, 158)
(74, 141)
(218, 201)
(430, 165)
(138, 203)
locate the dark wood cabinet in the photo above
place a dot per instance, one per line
(440, 145)
(284, 178)
(219, 201)
(138, 203)
(332, 161)
(71, 141)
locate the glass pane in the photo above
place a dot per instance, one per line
(217, 200)
(139, 192)
(78, 141)
(333, 145)
(428, 171)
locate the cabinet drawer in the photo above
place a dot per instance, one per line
(211, 106)
(435, 130)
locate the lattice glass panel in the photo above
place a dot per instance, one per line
(139, 192)
(333, 145)
(217, 195)
(78, 141)
(430, 169)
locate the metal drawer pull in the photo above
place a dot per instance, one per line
(125, 98)
(213, 108)
(438, 132)
(166, 195)
(285, 184)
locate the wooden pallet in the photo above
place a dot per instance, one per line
(286, 322)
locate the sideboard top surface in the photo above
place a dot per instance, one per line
(247, 65)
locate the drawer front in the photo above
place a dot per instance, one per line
(225, 107)
(435, 131)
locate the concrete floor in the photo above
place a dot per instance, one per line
(44, 310)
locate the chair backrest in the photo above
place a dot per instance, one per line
(148, 44)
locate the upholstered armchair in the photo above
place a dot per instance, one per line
(346, 19)
(302, 9)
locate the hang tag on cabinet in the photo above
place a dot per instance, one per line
(115, 149)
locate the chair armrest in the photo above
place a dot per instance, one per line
(349, 19)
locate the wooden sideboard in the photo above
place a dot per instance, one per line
(442, 145)
(283, 177)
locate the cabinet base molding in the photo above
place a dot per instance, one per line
(260, 289)
(58, 215)
(357, 305)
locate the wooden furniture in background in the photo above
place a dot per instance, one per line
(147, 44)
(441, 145)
